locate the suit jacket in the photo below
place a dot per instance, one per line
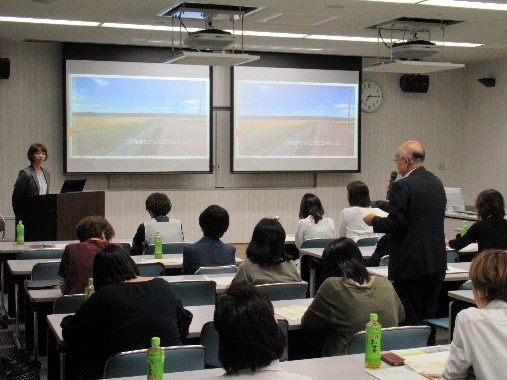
(27, 184)
(207, 252)
(416, 224)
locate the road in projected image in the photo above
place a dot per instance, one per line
(296, 120)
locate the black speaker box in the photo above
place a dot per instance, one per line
(488, 82)
(414, 83)
(5, 68)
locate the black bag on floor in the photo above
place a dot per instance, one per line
(18, 369)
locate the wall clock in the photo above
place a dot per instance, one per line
(371, 96)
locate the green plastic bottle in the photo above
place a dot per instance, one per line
(20, 233)
(373, 335)
(89, 289)
(158, 245)
(155, 360)
(464, 228)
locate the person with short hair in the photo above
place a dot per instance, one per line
(267, 261)
(250, 341)
(348, 295)
(350, 222)
(32, 180)
(491, 229)
(158, 206)
(210, 251)
(478, 345)
(94, 233)
(123, 313)
(312, 223)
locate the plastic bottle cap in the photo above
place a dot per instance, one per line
(373, 317)
(155, 341)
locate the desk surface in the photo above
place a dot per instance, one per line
(467, 215)
(366, 251)
(202, 314)
(463, 295)
(462, 276)
(9, 247)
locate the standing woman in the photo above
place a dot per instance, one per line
(34, 179)
(312, 223)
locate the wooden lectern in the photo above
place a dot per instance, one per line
(54, 217)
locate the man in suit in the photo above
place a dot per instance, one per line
(417, 260)
(210, 251)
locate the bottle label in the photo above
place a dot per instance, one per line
(372, 354)
(155, 361)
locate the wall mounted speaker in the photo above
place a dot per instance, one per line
(5, 68)
(488, 82)
(414, 83)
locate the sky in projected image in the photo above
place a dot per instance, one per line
(296, 99)
(113, 94)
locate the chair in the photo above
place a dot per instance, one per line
(151, 269)
(2, 226)
(167, 248)
(45, 271)
(452, 256)
(284, 291)
(133, 363)
(68, 304)
(126, 247)
(217, 270)
(48, 253)
(209, 339)
(368, 241)
(393, 338)
(384, 261)
(316, 243)
(195, 293)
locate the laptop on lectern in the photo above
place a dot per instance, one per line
(73, 185)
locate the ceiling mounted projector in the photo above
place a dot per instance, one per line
(209, 39)
(415, 49)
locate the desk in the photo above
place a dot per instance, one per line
(202, 314)
(462, 276)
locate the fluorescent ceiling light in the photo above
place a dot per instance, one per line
(48, 21)
(466, 4)
(270, 34)
(396, 1)
(146, 27)
(342, 38)
(457, 44)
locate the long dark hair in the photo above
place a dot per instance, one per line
(490, 203)
(311, 205)
(342, 258)
(359, 194)
(113, 265)
(267, 246)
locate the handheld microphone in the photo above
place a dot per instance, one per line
(394, 174)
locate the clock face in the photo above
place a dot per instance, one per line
(371, 96)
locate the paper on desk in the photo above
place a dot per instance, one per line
(428, 361)
(174, 261)
(394, 373)
(451, 269)
(220, 281)
(294, 312)
(373, 210)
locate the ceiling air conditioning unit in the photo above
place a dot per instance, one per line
(209, 39)
(414, 50)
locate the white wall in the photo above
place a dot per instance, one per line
(31, 110)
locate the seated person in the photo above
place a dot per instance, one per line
(491, 229)
(250, 340)
(210, 251)
(123, 314)
(267, 262)
(312, 223)
(350, 223)
(158, 206)
(348, 295)
(94, 233)
(478, 345)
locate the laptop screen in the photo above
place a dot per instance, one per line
(73, 185)
(455, 200)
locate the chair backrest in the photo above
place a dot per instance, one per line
(368, 241)
(126, 247)
(384, 261)
(210, 340)
(217, 270)
(2, 226)
(316, 243)
(393, 338)
(284, 291)
(133, 363)
(467, 285)
(195, 293)
(68, 304)
(40, 254)
(167, 248)
(151, 269)
(45, 271)
(452, 256)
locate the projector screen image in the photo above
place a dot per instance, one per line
(295, 120)
(137, 117)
